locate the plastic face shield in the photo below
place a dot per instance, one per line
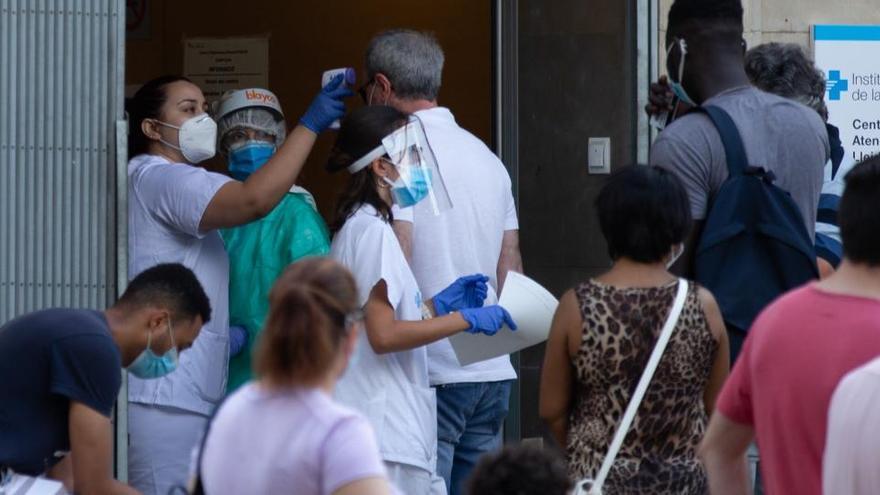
(420, 183)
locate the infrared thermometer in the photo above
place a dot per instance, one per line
(349, 78)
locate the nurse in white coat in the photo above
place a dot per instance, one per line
(390, 163)
(175, 209)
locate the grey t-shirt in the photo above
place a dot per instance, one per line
(780, 135)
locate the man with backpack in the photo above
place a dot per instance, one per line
(781, 148)
(798, 350)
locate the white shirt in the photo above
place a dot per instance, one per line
(392, 389)
(166, 202)
(463, 240)
(851, 463)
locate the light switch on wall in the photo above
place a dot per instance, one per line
(599, 155)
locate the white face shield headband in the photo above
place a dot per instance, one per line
(419, 182)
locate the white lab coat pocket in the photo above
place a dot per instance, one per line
(426, 404)
(206, 363)
(376, 410)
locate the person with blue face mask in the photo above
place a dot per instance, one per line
(251, 128)
(60, 371)
(391, 164)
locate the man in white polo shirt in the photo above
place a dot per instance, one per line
(480, 234)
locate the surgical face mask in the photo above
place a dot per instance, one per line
(197, 137)
(676, 253)
(405, 194)
(676, 86)
(148, 365)
(247, 158)
(408, 150)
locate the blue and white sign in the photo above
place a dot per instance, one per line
(850, 58)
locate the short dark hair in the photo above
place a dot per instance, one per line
(520, 470)
(716, 17)
(858, 212)
(361, 131)
(705, 10)
(643, 212)
(169, 285)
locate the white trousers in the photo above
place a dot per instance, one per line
(161, 441)
(410, 480)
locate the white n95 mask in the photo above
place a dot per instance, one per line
(197, 137)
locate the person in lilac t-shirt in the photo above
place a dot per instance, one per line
(284, 433)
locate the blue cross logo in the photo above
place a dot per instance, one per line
(836, 85)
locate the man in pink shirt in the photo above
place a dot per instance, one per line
(796, 352)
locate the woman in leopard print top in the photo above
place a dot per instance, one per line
(604, 331)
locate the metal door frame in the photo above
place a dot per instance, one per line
(506, 119)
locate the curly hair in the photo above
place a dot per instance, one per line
(785, 70)
(520, 470)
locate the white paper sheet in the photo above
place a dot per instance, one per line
(21, 484)
(531, 307)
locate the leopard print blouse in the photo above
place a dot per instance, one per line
(619, 330)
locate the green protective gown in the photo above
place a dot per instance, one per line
(258, 253)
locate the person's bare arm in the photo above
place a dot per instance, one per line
(556, 374)
(369, 486)
(403, 230)
(238, 203)
(91, 452)
(62, 471)
(510, 259)
(721, 364)
(387, 334)
(723, 452)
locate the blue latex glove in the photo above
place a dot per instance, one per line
(238, 338)
(467, 292)
(328, 106)
(487, 320)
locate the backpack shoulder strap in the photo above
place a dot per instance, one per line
(734, 150)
